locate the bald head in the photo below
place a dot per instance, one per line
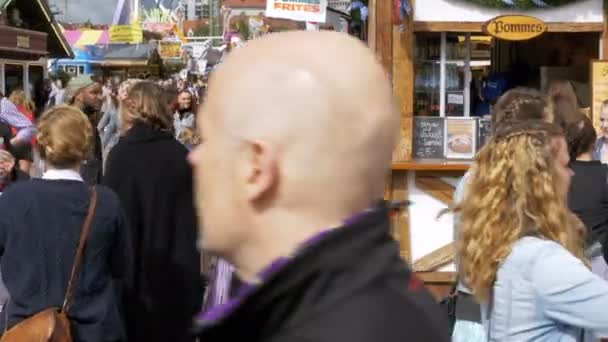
(319, 98)
(307, 119)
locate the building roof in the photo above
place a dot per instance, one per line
(121, 51)
(261, 4)
(38, 16)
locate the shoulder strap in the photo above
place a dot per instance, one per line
(78, 258)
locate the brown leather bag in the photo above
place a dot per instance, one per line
(53, 324)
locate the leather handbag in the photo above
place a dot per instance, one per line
(53, 324)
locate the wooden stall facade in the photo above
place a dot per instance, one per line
(26, 44)
(394, 46)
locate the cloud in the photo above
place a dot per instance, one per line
(79, 11)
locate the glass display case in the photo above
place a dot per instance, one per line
(442, 74)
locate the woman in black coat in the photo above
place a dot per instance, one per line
(149, 172)
(40, 226)
(588, 195)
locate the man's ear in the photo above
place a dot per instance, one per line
(261, 171)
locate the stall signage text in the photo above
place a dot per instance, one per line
(299, 10)
(23, 42)
(170, 49)
(515, 27)
(126, 34)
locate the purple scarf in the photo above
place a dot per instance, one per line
(217, 304)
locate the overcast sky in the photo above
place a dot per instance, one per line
(98, 11)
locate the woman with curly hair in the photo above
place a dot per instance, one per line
(518, 104)
(519, 247)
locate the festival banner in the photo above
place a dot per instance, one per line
(300, 10)
(599, 90)
(126, 34)
(170, 49)
(159, 27)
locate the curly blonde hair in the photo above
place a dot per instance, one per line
(64, 136)
(515, 192)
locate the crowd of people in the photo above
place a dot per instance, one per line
(143, 177)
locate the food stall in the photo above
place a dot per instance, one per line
(28, 36)
(448, 60)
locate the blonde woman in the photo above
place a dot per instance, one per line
(149, 172)
(520, 252)
(109, 125)
(40, 226)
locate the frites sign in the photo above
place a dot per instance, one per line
(300, 10)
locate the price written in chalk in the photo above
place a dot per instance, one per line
(428, 138)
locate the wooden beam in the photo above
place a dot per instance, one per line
(436, 259)
(431, 165)
(384, 34)
(403, 87)
(436, 188)
(441, 174)
(447, 26)
(475, 27)
(437, 277)
(388, 188)
(604, 52)
(401, 221)
(371, 26)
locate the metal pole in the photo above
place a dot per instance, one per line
(211, 19)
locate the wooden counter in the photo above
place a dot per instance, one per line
(439, 284)
(432, 165)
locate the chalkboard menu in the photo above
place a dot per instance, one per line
(428, 138)
(484, 132)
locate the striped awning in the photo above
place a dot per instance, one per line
(81, 38)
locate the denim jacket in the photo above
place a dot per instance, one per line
(544, 293)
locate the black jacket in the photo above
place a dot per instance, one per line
(149, 172)
(40, 225)
(588, 197)
(351, 286)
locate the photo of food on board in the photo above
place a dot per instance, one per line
(460, 138)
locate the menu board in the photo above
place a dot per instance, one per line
(461, 137)
(428, 138)
(599, 90)
(484, 131)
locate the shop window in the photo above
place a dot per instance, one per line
(81, 70)
(71, 70)
(13, 77)
(444, 66)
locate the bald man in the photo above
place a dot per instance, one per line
(298, 131)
